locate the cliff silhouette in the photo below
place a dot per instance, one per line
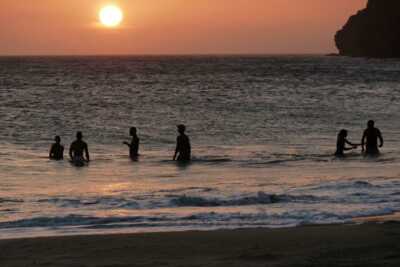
(372, 32)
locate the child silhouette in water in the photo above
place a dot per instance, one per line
(341, 144)
(57, 150)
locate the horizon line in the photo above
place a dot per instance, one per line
(168, 54)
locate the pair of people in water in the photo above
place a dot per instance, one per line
(79, 151)
(182, 150)
(369, 141)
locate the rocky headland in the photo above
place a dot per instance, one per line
(372, 32)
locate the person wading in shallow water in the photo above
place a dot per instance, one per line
(134, 145)
(370, 138)
(183, 148)
(77, 150)
(57, 150)
(341, 144)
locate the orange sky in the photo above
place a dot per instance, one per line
(61, 27)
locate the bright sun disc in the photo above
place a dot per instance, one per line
(111, 16)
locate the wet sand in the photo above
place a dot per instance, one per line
(379, 219)
(372, 244)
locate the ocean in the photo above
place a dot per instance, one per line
(263, 132)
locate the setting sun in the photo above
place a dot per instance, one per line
(111, 16)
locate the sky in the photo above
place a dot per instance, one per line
(71, 27)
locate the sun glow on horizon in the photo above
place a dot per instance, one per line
(111, 16)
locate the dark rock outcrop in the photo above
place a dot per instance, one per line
(372, 32)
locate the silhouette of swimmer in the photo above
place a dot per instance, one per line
(57, 150)
(77, 150)
(183, 148)
(134, 145)
(341, 144)
(370, 138)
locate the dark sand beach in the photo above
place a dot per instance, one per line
(370, 244)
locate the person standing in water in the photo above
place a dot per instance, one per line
(183, 148)
(370, 138)
(134, 145)
(341, 144)
(78, 149)
(57, 150)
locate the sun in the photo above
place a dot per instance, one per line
(111, 16)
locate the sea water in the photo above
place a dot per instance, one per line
(263, 131)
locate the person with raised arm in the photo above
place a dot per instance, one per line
(134, 144)
(341, 144)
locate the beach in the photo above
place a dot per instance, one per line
(370, 244)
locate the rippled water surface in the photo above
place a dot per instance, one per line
(263, 132)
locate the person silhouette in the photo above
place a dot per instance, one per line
(134, 145)
(77, 150)
(57, 150)
(341, 144)
(183, 148)
(370, 138)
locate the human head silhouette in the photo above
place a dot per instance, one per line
(181, 128)
(79, 135)
(57, 139)
(371, 124)
(133, 131)
(343, 133)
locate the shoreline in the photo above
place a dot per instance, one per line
(395, 217)
(366, 244)
(380, 219)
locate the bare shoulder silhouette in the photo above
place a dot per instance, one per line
(79, 151)
(341, 143)
(183, 147)
(57, 150)
(134, 144)
(370, 140)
